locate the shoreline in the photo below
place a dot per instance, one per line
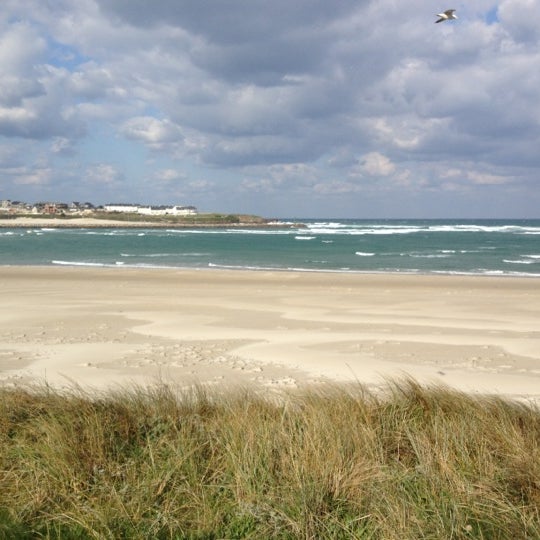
(276, 270)
(108, 327)
(94, 223)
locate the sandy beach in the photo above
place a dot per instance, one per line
(27, 222)
(103, 223)
(110, 328)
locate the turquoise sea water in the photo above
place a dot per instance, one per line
(405, 246)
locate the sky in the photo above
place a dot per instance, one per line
(311, 108)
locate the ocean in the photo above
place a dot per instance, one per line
(462, 247)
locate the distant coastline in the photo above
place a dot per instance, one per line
(199, 221)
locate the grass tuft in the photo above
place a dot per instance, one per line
(412, 462)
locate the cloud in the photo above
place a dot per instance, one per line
(62, 146)
(169, 175)
(375, 164)
(21, 47)
(228, 24)
(91, 82)
(34, 174)
(302, 101)
(519, 18)
(487, 179)
(103, 174)
(151, 131)
(32, 93)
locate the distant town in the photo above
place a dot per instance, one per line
(87, 214)
(76, 208)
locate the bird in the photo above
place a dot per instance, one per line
(446, 15)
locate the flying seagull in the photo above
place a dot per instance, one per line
(446, 16)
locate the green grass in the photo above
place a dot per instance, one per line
(206, 219)
(202, 219)
(411, 463)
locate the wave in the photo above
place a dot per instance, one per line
(347, 270)
(426, 255)
(361, 231)
(165, 255)
(210, 231)
(288, 269)
(409, 228)
(484, 272)
(80, 263)
(116, 264)
(116, 232)
(519, 261)
(243, 267)
(327, 228)
(364, 254)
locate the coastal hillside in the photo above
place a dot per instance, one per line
(123, 219)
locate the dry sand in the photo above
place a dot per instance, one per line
(99, 223)
(72, 222)
(80, 222)
(109, 328)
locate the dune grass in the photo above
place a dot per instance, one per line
(412, 463)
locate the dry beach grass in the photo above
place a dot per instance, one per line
(341, 462)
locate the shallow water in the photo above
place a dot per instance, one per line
(478, 247)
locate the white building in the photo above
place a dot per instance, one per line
(167, 210)
(121, 207)
(151, 210)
